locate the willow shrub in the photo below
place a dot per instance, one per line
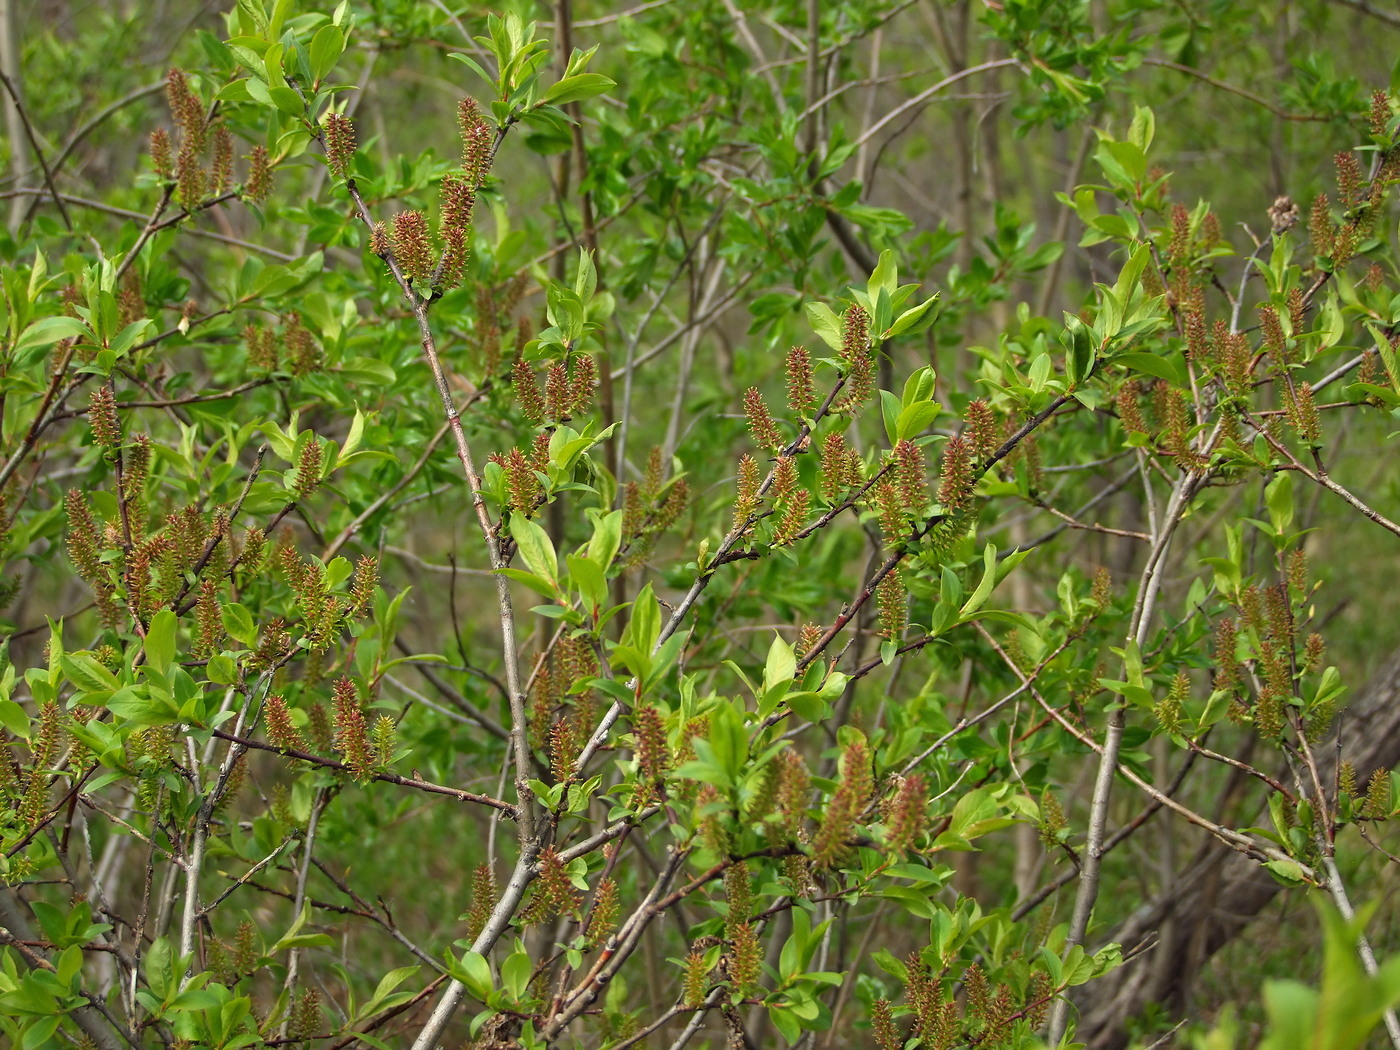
(709, 745)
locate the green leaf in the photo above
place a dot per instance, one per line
(476, 974)
(985, 585)
(238, 622)
(825, 323)
(535, 547)
(44, 333)
(577, 88)
(1154, 365)
(914, 419)
(326, 48)
(515, 974)
(159, 645)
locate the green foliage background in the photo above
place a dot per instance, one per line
(716, 183)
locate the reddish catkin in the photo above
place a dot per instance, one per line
(186, 110)
(802, 394)
(281, 730)
(258, 186)
(411, 246)
(603, 919)
(522, 484)
(554, 885)
(980, 429)
(339, 132)
(746, 491)
(794, 785)
(308, 475)
(761, 425)
(695, 983)
(792, 515)
(527, 391)
(834, 452)
(1273, 338)
(908, 813)
(556, 393)
(458, 202)
(351, 731)
(1130, 409)
(1350, 180)
(102, 418)
(653, 756)
(208, 625)
(855, 353)
(162, 154)
(746, 960)
(1302, 415)
(883, 1027)
(1179, 242)
(910, 477)
(1227, 668)
(1197, 345)
(885, 498)
(583, 379)
(956, 482)
(892, 600)
(221, 171)
(1380, 114)
(832, 841)
(1321, 229)
(303, 354)
(477, 138)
